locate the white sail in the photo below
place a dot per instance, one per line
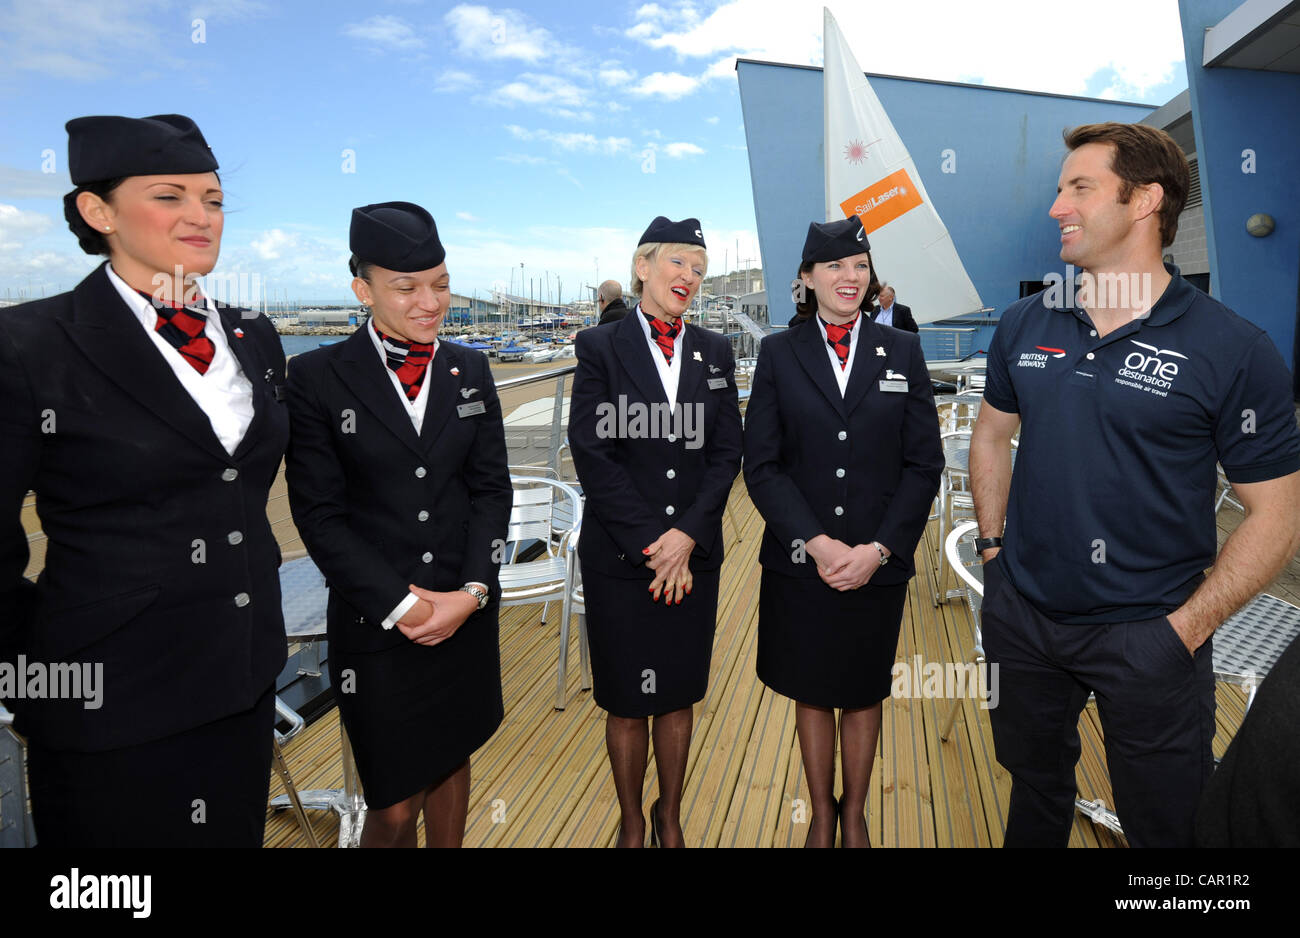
(870, 173)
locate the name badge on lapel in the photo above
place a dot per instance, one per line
(717, 384)
(893, 382)
(469, 410)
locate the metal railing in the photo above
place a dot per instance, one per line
(540, 441)
(946, 343)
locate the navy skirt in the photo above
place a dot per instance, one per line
(825, 648)
(413, 713)
(648, 657)
(205, 787)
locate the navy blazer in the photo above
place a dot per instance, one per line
(160, 561)
(638, 484)
(379, 507)
(860, 467)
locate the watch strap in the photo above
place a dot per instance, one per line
(477, 592)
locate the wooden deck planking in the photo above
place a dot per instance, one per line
(744, 774)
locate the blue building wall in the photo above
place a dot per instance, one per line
(1233, 110)
(1008, 153)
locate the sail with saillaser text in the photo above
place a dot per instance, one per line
(869, 173)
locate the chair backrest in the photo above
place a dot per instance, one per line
(960, 411)
(960, 550)
(545, 510)
(544, 471)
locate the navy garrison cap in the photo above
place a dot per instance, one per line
(829, 241)
(663, 231)
(101, 148)
(398, 236)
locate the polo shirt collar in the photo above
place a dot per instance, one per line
(1176, 300)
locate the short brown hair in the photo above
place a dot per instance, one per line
(1142, 155)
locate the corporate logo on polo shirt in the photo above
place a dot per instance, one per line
(1038, 358)
(1152, 369)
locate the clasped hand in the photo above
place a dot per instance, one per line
(840, 566)
(669, 558)
(435, 617)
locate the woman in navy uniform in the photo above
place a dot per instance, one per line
(399, 487)
(655, 486)
(148, 422)
(842, 459)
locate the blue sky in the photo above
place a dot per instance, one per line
(543, 133)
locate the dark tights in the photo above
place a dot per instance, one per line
(628, 740)
(859, 732)
(445, 805)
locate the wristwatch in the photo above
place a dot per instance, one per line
(884, 557)
(477, 592)
(984, 543)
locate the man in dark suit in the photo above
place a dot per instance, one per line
(609, 300)
(889, 313)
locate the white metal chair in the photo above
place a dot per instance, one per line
(959, 548)
(578, 607)
(955, 499)
(534, 519)
(296, 725)
(1226, 494)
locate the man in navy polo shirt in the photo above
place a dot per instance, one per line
(1126, 392)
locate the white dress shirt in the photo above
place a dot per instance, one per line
(669, 374)
(415, 410)
(841, 374)
(223, 392)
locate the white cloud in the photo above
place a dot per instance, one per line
(724, 245)
(299, 259)
(711, 120)
(613, 75)
(571, 253)
(571, 141)
(229, 10)
(388, 31)
(669, 85)
(999, 42)
(566, 114)
(85, 41)
(483, 33)
(18, 183)
(17, 227)
(534, 90)
(679, 150)
(273, 244)
(466, 216)
(454, 80)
